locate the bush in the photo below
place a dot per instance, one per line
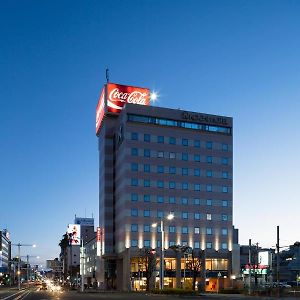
(175, 291)
(231, 291)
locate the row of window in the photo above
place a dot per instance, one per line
(197, 187)
(182, 200)
(209, 245)
(183, 156)
(184, 215)
(184, 142)
(135, 167)
(184, 229)
(181, 124)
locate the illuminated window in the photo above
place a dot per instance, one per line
(209, 202)
(146, 137)
(208, 245)
(160, 154)
(197, 230)
(146, 198)
(224, 218)
(197, 216)
(172, 229)
(224, 231)
(196, 201)
(196, 245)
(184, 243)
(171, 243)
(224, 246)
(208, 217)
(134, 136)
(224, 203)
(184, 215)
(172, 155)
(184, 230)
(208, 230)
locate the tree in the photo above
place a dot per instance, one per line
(196, 265)
(64, 244)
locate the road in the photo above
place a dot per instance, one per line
(36, 294)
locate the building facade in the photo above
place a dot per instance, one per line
(155, 161)
(5, 257)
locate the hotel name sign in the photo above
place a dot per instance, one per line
(202, 118)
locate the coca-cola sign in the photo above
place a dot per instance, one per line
(118, 95)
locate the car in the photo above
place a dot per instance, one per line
(44, 286)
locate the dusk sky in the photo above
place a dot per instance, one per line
(233, 58)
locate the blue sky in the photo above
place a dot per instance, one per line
(236, 58)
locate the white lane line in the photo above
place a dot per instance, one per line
(12, 295)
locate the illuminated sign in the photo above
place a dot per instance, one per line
(114, 96)
(74, 234)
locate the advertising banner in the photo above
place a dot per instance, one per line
(100, 110)
(74, 234)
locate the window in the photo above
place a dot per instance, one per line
(196, 245)
(134, 167)
(160, 154)
(224, 246)
(146, 152)
(146, 243)
(208, 217)
(224, 218)
(134, 181)
(172, 200)
(160, 199)
(209, 159)
(146, 183)
(196, 172)
(134, 212)
(147, 168)
(225, 147)
(184, 201)
(185, 186)
(134, 136)
(196, 201)
(172, 170)
(147, 213)
(197, 157)
(160, 214)
(197, 230)
(160, 169)
(134, 243)
(146, 137)
(224, 203)
(224, 161)
(172, 229)
(172, 185)
(146, 198)
(184, 156)
(160, 139)
(134, 197)
(171, 243)
(184, 215)
(185, 142)
(134, 151)
(209, 202)
(197, 143)
(134, 227)
(209, 145)
(184, 230)
(208, 230)
(172, 155)
(224, 189)
(225, 175)
(224, 231)
(197, 216)
(209, 173)
(197, 187)
(184, 243)
(146, 228)
(172, 141)
(185, 171)
(209, 188)
(208, 245)
(158, 243)
(160, 184)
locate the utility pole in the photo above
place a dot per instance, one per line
(277, 260)
(249, 266)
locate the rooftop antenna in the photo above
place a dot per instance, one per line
(107, 75)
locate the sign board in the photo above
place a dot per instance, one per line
(74, 234)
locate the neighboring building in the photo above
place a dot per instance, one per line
(5, 256)
(90, 263)
(154, 161)
(56, 266)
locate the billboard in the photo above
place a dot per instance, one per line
(114, 96)
(74, 234)
(84, 221)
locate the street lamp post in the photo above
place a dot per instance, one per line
(162, 251)
(19, 245)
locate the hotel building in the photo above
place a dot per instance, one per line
(154, 161)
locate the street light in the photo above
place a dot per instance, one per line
(19, 245)
(162, 259)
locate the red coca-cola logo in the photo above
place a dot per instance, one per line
(118, 95)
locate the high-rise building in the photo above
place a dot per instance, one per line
(154, 161)
(5, 256)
